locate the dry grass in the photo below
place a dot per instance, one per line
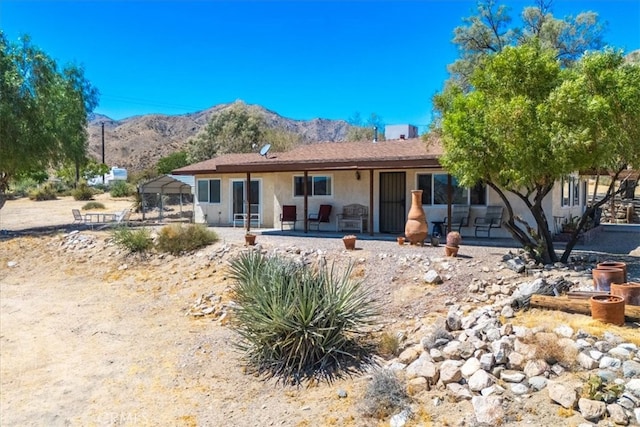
(548, 320)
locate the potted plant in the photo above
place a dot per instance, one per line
(400, 240)
(453, 243)
(250, 239)
(349, 242)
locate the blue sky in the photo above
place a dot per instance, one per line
(301, 59)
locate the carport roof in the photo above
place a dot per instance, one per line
(165, 184)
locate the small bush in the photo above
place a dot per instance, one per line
(598, 389)
(135, 240)
(552, 351)
(298, 323)
(386, 395)
(121, 188)
(389, 345)
(46, 192)
(92, 205)
(177, 238)
(83, 192)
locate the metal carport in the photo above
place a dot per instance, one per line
(164, 184)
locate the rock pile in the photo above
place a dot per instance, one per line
(478, 358)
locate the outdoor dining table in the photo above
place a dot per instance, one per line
(99, 217)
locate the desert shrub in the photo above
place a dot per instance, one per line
(386, 395)
(551, 350)
(297, 323)
(121, 188)
(598, 389)
(389, 344)
(177, 238)
(46, 192)
(134, 240)
(82, 192)
(92, 205)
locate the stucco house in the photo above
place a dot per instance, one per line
(379, 175)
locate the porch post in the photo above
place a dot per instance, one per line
(449, 197)
(306, 202)
(247, 189)
(370, 202)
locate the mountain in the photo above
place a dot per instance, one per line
(138, 142)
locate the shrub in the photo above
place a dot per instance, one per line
(177, 238)
(598, 389)
(135, 240)
(386, 395)
(389, 344)
(83, 192)
(46, 192)
(298, 323)
(92, 205)
(121, 188)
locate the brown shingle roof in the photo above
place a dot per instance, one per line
(411, 153)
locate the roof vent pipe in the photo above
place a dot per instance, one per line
(375, 134)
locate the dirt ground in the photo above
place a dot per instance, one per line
(90, 336)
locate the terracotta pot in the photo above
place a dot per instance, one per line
(614, 264)
(416, 227)
(604, 276)
(250, 239)
(451, 250)
(349, 243)
(630, 291)
(608, 309)
(401, 241)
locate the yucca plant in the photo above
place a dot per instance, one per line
(298, 323)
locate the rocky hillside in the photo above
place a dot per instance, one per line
(138, 142)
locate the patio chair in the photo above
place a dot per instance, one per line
(491, 219)
(323, 215)
(288, 215)
(77, 217)
(459, 218)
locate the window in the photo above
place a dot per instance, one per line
(478, 194)
(434, 191)
(424, 184)
(209, 190)
(570, 192)
(316, 186)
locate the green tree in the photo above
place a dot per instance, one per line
(173, 161)
(43, 111)
(528, 122)
(90, 168)
(234, 130)
(360, 130)
(240, 128)
(490, 31)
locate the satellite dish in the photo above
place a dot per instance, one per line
(264, 150)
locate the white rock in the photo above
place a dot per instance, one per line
(470, 367)
(479, 380)
(591, 410)
(562, 393)
(620, 352)
(633, 387)
(488, 409)
(399, 420)
(564, 331)
(512, 376)
(610, 363)
(586, 362)
(432, 277)
(450, 371)
(537, 383)
(423, 367)
(617, 414)
(458, 392)
(534, 368)
(519, 389)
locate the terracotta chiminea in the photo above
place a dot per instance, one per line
(416, 227)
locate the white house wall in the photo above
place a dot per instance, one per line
(276, 190)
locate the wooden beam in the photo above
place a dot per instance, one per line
(582, 306)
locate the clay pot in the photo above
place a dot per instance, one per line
(608, 309)
(603, 277)
(630, 291)
(349, 242)
(416, 227)
(250, 239)
(451, 250)
(401, 241)
(614, 264)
